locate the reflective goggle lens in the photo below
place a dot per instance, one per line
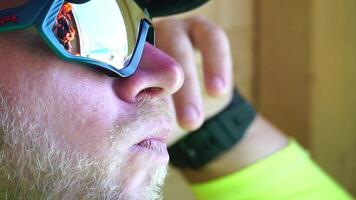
(103, 30)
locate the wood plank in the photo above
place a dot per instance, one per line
(333, 99)
(283, 56)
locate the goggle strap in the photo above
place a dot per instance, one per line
(21, 16)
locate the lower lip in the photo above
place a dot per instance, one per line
(154, 149)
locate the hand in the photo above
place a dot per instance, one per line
(195, 103)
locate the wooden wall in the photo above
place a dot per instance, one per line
(282, 74)
(306, 63)
(333, 89)
(296, 61)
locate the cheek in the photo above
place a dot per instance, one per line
(81, 124)
(82, 110)
(76, 104)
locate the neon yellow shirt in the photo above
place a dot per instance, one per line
(288, 174)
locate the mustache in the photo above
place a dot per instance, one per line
(151, 117)
(148, 106)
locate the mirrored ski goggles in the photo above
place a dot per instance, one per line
(108, 35)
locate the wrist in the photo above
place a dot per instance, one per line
(261, 140)
(217, 135)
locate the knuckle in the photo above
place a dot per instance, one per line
(167, 24)
(217, 34)
(208, 30)
(197, 19)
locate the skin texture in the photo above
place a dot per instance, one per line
(86, 112)
(74, 86)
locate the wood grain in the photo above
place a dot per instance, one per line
(333, 90)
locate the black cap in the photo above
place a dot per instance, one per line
(159, 8)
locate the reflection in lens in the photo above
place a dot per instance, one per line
(94, 30)
(65, 30)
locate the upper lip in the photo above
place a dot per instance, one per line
(158, 134)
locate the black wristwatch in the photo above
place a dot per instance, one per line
(217, 135)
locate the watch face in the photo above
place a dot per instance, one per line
(158, 8)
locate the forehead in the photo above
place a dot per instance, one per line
(4, 4)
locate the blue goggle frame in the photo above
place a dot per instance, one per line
(43, 13)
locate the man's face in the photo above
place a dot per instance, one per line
(72, 132)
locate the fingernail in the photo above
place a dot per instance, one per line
(190, 113)
(218, 84)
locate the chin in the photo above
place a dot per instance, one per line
(142, 183)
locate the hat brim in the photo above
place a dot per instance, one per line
(160, 8)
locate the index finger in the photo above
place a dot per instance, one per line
(214, 46)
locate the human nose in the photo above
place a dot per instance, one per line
(158, 75)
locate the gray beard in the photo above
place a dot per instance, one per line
(37, 167)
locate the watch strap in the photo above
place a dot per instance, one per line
(217, 135)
